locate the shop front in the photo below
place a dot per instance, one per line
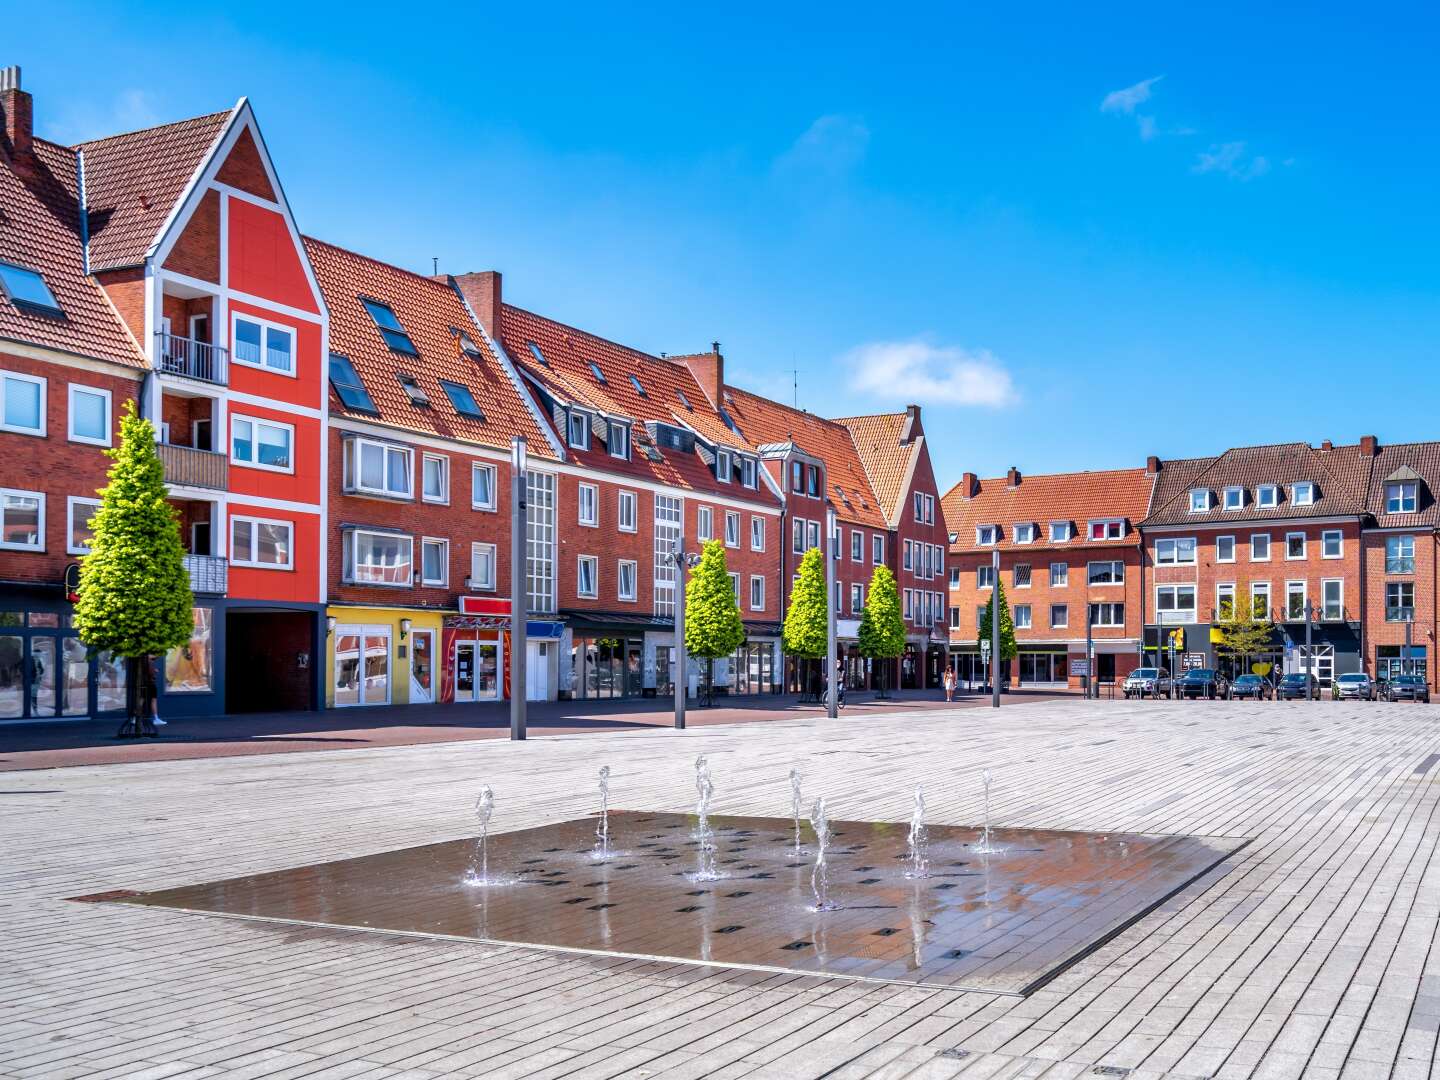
(46, 673)
(383, 656)
(1334, 649)
(756, 667)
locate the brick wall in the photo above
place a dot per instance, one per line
(1378, 630)
(196, 252)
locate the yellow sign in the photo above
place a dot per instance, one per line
(1261, 668)
(1216, 635)
(1177, 638)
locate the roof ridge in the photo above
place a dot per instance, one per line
(152, 127)
(793, 410)
(1060, 475)
(865, 416)
(426, 278)
(584, 333)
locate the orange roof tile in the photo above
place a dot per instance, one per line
(1339, 480)
(1077, 497)
(887, 449)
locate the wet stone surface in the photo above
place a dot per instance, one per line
(1005, 922)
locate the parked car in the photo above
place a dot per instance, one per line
(1355, 684)
(1148, 682)
(1295, 684)
(1409, 688)
(1203, 682)
(1248, 686)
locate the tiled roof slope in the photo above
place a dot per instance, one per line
(132, 182)
(431, 312)
(1338, 476)
(1078, 497)
(1420, 458)
(40, 230)
(566, 375)
(764, 421)
(886, 459)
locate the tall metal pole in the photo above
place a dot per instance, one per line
(682, 664)
(831, 549)
(995, 629)
(1090, 657)
(518, 604)
(1406, 667)
(1310, 687)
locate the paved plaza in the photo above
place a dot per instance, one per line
(1310, 952)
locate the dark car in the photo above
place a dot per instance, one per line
(1295, 685)
(1248, 686)
(1408, 688)
(1202, 682)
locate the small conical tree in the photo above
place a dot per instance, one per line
(1009, 650)
(807, 619)
(712, 614)
(134, 595)
(882, 630)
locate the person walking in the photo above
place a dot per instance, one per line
(950, 683)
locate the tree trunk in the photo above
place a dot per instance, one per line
(137, 699)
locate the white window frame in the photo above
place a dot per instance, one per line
(983, 571)
(480, 466)
(592, 521)
(857, 546)
(1219, 558)
(857, 598)
(982, 531)
(1304, 591)
(443, 499)
(1224, 590)
(722, 466)
(757, 532)
(1174, 589)
(1024, 533)
(1109, 607)
(584, 430)
(354, 448)
(909, 605)
(266, 325)
(619, 437)
(289, 526)
(593, 561)
(1239, 499)
(1107, 525)
(95, 391)
(1324, 609)
(620, 500)
(39, 521)
(1303, 493)
(1024, 617)
(44, 406)
(1172, 544)
(70, 504)
(1338, 536)
(443, 580)
(757, 580)
(1304, 546)
(476, 548)
(1015, 575)
(919, 506)
(1114, 564)
(634, 595)
(1400, 558)
(1060, 580)
(877, 549)
(1258, 589)
(1060, 532)
(1202, 496)
(1064, 623)
(1253, 538)
(735, 586)
(1267, 496)
(732, 529)
(255, 422)
(1412, 487)
(749, 472)
(704, 523)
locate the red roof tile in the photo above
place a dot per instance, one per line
(1338, 479)
(1078, 497)
(887, 449)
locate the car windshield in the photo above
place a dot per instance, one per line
(1294, 678)
(1352, 678)
(1201, 673)
(1248, 679)
(1143, 673)
(1408, 680)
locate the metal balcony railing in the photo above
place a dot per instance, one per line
(208, 574)
(176, 355)
(185, 466)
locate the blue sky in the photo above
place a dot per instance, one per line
(1076, 237)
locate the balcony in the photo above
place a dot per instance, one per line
(188, 467)
(176, 355)
(208, 574)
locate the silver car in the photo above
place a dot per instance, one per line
(1355, 684)
(1148, 682)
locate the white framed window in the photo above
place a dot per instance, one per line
(1224, 599)
(262, 344)
(89, 415)
(919, 506)
(812, 534)
(378, 558)
(877, 548)
(22, 403)
(1022, 616)
(1399, 554)
(1402, 497)
(984, 577)
(1020, 575)
(1059, 616)
(1060, 532)
(1260, 599)
(986, 535)
(434, 561)
(261, 444)
(435, 478)
(908, 559)
(704, 523)
(482, 567)
(1109, 572)
(620, 440)
(1399, 601)
(1225, 549)
(757, 533)
(732, 529)
(1024, 533)
(588, 505)
(587, 576)
(1332, 599)
(1199, 500)
(482, 486)
(798, 536)
(722, 466)
(954, 618)
(1295, 600)
(626, 575)
(857, 546)
(1107, 529)
(857, 598)
(1234, 498)
(1107, 614)
(1267, 496)
(1059, 575)
(578, 430)
(835, 543)
(1259, 547)
(909, 605)
(1175, 551)
(626, 511)
(757, 592)
(264, 543)
(735, 587)
(1295, 545)
(377, 468)
(1175, 603)
(78, 513)
(1332, 544)
(1303, 493)
(749, 474)
(22, 520)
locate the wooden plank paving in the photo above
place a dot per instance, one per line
(1312, 952)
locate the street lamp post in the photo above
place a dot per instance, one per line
(681, 674)
(518, 603)
(832, 554)
(1311, 690)
(995, 629)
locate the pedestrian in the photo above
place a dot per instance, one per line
(950, 683)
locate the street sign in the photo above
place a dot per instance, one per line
(1192, 661)
(1080, 667)
(985, 650)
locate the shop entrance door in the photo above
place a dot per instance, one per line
(465, 671)
(537, 672)
(362, 665)
(422, 667)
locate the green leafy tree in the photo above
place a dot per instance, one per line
(134, 595)
(806, 620)
(1241, 631)
(712, 614)
(882, 630)
(1009, 650)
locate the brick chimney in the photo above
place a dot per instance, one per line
(1152, 465)
(967, 485)
(17, 107)
(482, 292)
(709, 371)
(1369, 446)
(1327, 445)
(1012, 478)
(912, 426)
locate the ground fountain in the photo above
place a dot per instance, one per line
(796, 806)
(820, 876)
(480, 864)
(704, 835)
(602, 829)
(917, 853)
(987, 845)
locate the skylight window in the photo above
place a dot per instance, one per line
(25, 288)
(539, 356)
(411, 386)
(683, 400)
(389, 327)
(639, 389)
(468, 346)
(595, 370)
(347, 384)
(463, 400)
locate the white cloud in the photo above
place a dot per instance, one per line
(1230, 159)
(1126, 100)
(918, 371)
(834, 144)
(130, 110)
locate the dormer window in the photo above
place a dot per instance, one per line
(1303, 493)
(722, 466)
(1199, 500)
(578, 434)
(748, 473)
(1234, 498)
(1059, 532)
(987, 535)
(620, 440)
(1402, 497)
(1267, 495)
(1024, 533)
(389, 327)
(1107, 529)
